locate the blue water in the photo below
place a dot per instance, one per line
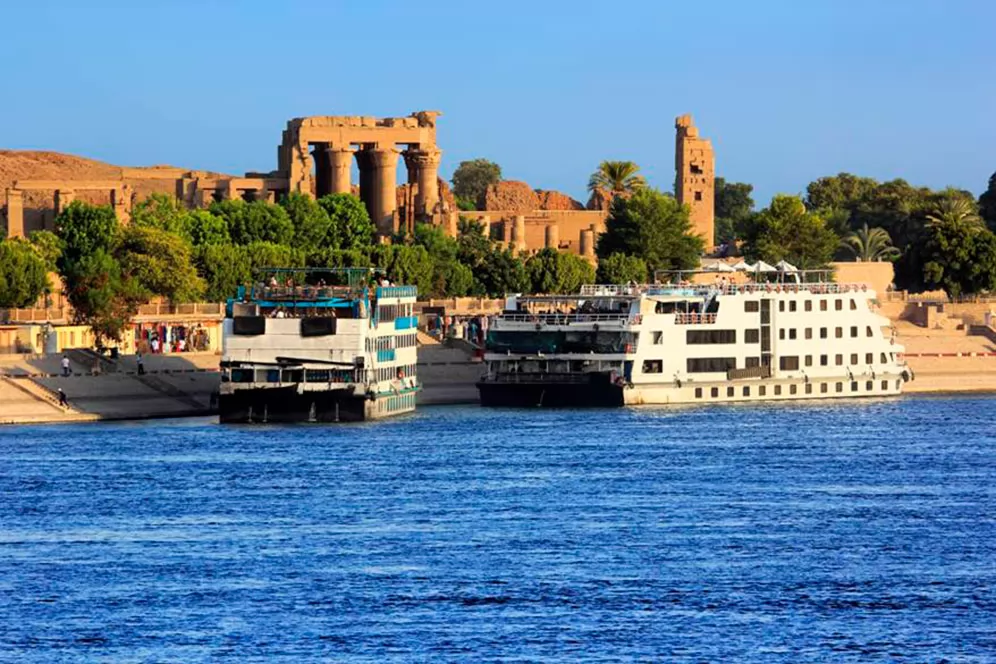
(846, 532)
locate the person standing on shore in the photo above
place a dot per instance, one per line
(65, 365)
(141, 364)
(63, 401)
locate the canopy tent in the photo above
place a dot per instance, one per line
(761, 266)
(785, 266)
(718, 267)
(742, 266)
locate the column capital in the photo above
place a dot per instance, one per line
(383, 157)
(424, 157)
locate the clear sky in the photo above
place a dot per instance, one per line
(787, 90)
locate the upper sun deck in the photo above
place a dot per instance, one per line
(703, 290)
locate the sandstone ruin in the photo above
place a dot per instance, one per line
(695, 174)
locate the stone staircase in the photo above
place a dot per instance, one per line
(158, 384)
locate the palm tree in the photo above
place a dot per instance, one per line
(956, 212)
(870, 244)
(616, 177)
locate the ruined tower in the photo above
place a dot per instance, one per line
(695, 173)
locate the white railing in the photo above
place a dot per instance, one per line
(694, 319)
(567, 319)
(692, 290)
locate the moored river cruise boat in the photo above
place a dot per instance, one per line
(801, 337)
(318, 353)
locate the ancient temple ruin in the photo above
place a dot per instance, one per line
(695, 174)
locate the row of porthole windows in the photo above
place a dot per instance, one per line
(791, 333)
(789, 360)
(762, 390)
(838, 305)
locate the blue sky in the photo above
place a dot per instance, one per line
(787, 90)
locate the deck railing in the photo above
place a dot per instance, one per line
(694, 319)
(693, 290)
(567, 319)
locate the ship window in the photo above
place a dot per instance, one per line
(781, 334)
(854, 386)
(653, 366)
(809, 388)
(809, 360)
(809, 333)
(752, 336)
(791, 333)
(823, 360)
(885, 385)
(869, 358)
(751, 306)
(839, 387)
(793, 389)
(838, 304)
(839, 332)
(710, 364)
(792, 306)
(778, 390)
(729, 391)
(658, 338)
(869, 386)
(824, 388)
(714, 392)
(711, 336)
(868, 332)
(752, 362)
(854, 331)
(789, 363)
(808, 306)
(698, 392)
(885, 360)
(898, 384)
(854, 304)
(839, 360)
(761, 390)
(823, 333)
(854, 359)
(823, 305)
(781, 305)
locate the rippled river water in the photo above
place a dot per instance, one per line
(854, 531)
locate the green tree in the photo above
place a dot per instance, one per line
(23, 274)
(271, 254)
(312, 226)
(162, 212)
(786, 231)
(102, 297)
(224, 268)
(617, 178)
(84, 229)
(951, 211)
(870, 244)
(351, 226)
(959, 259)
(841, 191)
(48, 246)
(621, 269)
(258, 221)
(733, 203)
(501, 273)
(653, 227)
(471, 180)
(203, 228)
(405, 265)
(160, 261)
(987, 203)
(551, 271)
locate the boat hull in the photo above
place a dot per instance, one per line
(596, 393)
(287, 404)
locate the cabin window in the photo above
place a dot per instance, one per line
(854, 331)
(885, 385)
(885, 360)
(824, 388)
(788, 363)
(839, 387)
(808, 306)
(791, 333)
(823, 360)
(729, 392)
(823, 305)
(854, 386)
(839, 360)
(898, 383)
(839, 332)
(781, 305)
(809, 333)
(746, 391)
(710, 364)
(762, 390)
(809, 360)
(854, 304)
(653, 366)
(792, 306)
(823, 333)
(838, 304)
(854, 359)
(778, 390)
(868, 332)
(752, 336)
(752, 362)
(809, 388)
(711, 336)
(793, 389)
(698, 392)
(781, 334)
(751, 306)
(869, 358)
(869, 387)
(714, 392)
(658, 338)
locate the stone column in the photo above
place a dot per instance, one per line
(588, 244)
(519, 233)
(452, 221)
(15, 213)
(411, 164)
(229, 192)
(121, 202)
(204, 198)
(63, 197)
(426, 162)
(384, 202)
(552, 236)
(341, 164)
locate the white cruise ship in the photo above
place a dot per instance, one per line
(664, 344)
(318, 353)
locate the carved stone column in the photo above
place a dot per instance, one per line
(588, 244)
(63, 197)
(121, 202)
(427, 173)
(519, 233)
(341, 164)
(384, 202)
(15, 213)
(552, 236)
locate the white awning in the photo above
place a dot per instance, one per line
(743, 266)
(761, 266)
(785, 266)
(718, 267)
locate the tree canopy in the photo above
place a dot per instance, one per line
(552, 271)
(733, 203)
(987, 203)
(350, 224)
(471, 180)
(621, 269)
(785, 230)
(870, 244)
(23, 274)
(617, 178)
